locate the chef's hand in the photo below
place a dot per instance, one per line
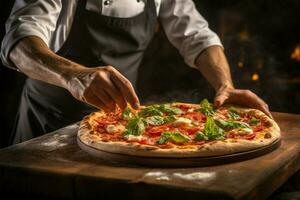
(240, 97)
(102, 87)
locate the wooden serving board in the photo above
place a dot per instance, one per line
(178, 162)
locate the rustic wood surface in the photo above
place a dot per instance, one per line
(53, 166)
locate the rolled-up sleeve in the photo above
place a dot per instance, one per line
(29, 18)
(186, 29)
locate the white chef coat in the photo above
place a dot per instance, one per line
(51, 20)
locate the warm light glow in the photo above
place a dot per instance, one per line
(296, 53)
(255, 77)
(244, 35)
(240, 64)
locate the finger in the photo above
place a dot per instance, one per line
(116, 94)
(261, 107)
(267, 111)
(126, 88)
(93, 100)
(113, 91)
(104, 97)
(248, 98)
(220, 99)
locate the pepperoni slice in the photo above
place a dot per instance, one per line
(258, 128)
(191, 130)
(184, 107)
(231, 135)
(167, 145)
(110, 119)
(249, 136)
(246, 137)
(142, 141)
(195, 116)
(157, 130)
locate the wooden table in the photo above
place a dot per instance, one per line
(53, 166)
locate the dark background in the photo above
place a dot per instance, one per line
(259, 36)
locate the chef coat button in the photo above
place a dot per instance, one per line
(108, 2)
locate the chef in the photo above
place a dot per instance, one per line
(84, 54)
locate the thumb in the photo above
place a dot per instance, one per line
(220, 99)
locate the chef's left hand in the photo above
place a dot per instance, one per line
(240, 97)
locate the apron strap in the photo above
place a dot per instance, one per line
(67, 44)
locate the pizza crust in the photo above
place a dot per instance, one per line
(213, 148)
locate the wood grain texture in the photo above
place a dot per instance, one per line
(54, 166)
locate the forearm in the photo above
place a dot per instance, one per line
(213, 64)
(100, 86)
(33, 57)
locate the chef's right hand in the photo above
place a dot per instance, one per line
(102, 87)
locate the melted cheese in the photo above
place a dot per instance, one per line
(190, 110)
(134, 137)
(242, 131)
(118, 128)
(182, 121)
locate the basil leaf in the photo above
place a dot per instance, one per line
(135, 126)
(155, 120)
(179, 138)
(166, 108)
(164, 137)
(254, 121)
(150, 111)
(127, 133)
(206, 108)
(175, 137)
(170, 118)
(233, 113)
(158, 110)
(228, 125)
(201, 136)
(223, 124)
(127, 114)
(212, 131)
(158, 120)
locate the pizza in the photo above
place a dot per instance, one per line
(178, 130)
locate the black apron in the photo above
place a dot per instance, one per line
(94, 40)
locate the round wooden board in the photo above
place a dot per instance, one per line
(178, 162)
